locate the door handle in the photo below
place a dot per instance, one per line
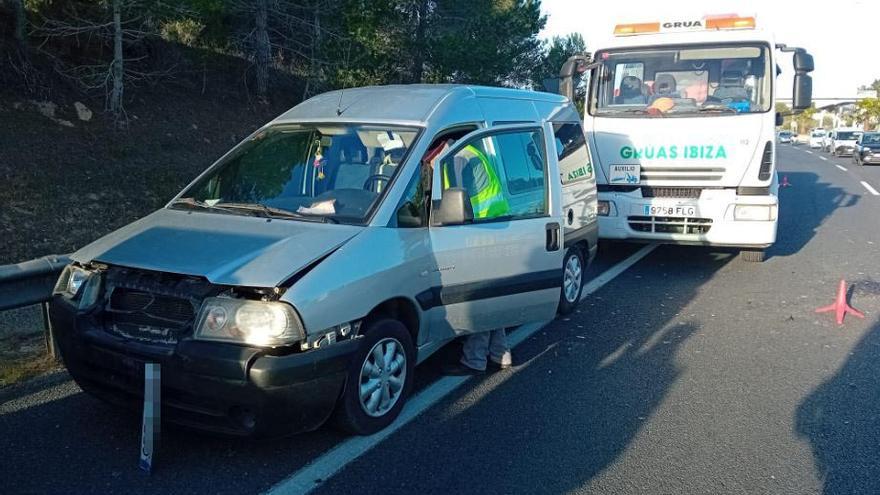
(552, 230)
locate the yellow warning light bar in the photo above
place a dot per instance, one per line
(708, 23)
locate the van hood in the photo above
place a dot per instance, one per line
(225, 249)
(679, 151)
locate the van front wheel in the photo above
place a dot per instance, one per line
(379, 380)
(572, 280)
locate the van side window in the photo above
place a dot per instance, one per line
(572, 152)
(412, 212)
(503, 173)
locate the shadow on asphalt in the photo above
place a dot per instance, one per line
(803, 208)
(841, 420)
(583, 389)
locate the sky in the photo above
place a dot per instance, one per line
(842, 35)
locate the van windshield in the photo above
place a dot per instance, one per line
(691, 81)
(334, 173)
(846, 136)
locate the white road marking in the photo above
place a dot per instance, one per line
(808, 151)
(870, 189)
(324, 467)
(841, 167)
(823, 158)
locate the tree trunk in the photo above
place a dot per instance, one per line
(20, 32)
(262, 47)
(418, 68)
(117, 69)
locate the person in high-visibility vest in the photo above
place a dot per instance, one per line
(482, 350)
(481, 181)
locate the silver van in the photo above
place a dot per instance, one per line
(304, 274)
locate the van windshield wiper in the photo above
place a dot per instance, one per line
(273, 212)
(200, 205)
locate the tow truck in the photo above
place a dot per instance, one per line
(681, 119)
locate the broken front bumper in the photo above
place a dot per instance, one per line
(217, 387)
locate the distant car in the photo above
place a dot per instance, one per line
(785, 136)
(867, 149)
(817, 137)
(843, 141)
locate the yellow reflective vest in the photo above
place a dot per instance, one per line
(488, 202)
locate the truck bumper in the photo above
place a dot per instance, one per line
(216, 387)
(712, 221)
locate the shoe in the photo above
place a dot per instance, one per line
(504, 363)
(493, 366)
(458, 369)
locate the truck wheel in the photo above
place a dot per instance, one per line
(572, 280)
(752, 255)
(380, 377)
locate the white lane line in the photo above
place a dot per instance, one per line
(823, 158)
(324, 467)
(870, 189)
(841, 167)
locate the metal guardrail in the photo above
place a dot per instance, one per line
(29, 283)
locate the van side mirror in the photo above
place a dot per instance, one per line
(455, 207)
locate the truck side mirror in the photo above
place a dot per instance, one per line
(802, 97)
(779, 119)
(802, 94)
(803, 61)
(455, 207)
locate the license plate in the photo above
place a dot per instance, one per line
(666, 211)
(625, 174)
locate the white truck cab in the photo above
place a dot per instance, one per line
(681, 118)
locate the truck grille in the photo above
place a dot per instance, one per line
(671, 192)
(670, 225)
(681, 174)
(152, 307)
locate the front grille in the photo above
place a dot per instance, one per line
(671, 192)
(670, 225)
(152, 307)
(681, 173)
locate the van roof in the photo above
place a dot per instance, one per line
(410, 104)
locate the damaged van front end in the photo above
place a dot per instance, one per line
(235, 356)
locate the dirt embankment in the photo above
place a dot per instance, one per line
(69, 177)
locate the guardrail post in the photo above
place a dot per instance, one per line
(48, 332)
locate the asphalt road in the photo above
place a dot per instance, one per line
(691, 372)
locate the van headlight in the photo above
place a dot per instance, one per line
(258, 323)
(78, 284)
(758, 213)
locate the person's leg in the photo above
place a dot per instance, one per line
(475, 350)
(499, 351)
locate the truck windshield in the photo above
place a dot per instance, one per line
(846, 136)
(692, 81)
(871, 138)
(333, 173)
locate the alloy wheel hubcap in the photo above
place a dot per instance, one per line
(383, 375)
(571, 282)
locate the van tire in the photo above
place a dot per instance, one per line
(350, 414)
(568, 300)
(752, 255)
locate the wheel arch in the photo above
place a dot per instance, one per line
(401, 309)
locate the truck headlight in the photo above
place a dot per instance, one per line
(603, 208)
(258, 323)
(758, 213)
